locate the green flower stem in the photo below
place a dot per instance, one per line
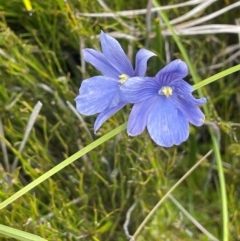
(225, 232)
(63, 164)
(222, 187)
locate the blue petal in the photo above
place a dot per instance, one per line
(115, 99)
(138, 89)
(141, 61)
(175, 70)
(115, 55)
(184, 93)
(166, 124)
(181, 87)
(138, 117)
(99, 61)
(106, 114)
(191, 111)
(96, 94)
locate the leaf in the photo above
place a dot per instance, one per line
(18, 234)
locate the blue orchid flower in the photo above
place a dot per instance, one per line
(102, 94)
(164, 104)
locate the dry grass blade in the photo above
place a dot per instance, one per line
(73, 109)
(4, 149)
(206, 29)
(120, 35)
(167, 194)
(127, 221)
(131, 13)
(30, 124)
(104, 5)
(193, 12)
(232, 58)
(206, 18)
(190, 217)
(237, 21)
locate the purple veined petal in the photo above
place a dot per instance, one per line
(138, 117)
(189, 97)
(176, 69)
(106, 114)
(184, 90)
(138, 89)
(191, 111)
(141, 61)
(181, 86)
(99, 61)
(96, 94)
(166, 124)
(115, 55)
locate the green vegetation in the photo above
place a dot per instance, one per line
(41, 69)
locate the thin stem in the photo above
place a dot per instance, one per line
(167, 194)
(189, 216)
(223, 192)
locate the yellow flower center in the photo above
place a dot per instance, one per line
(123, 78)
(165, 90)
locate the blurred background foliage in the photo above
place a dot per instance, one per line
(40, 60)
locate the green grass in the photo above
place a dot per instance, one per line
(89, 199)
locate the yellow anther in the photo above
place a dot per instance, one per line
(123, 78)
(166, 90)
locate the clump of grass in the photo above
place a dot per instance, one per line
(41, 60)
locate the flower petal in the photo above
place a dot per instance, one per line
(138, 89)
(99, 61)
(96, 94)
(106, 114)
(166, 124)
(138, 117)
(181, 87)
(115, 99)
(175, 70)
(115, 55)
(141, 61)
(185, 94)
(191, 111)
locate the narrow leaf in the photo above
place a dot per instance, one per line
(18, 234)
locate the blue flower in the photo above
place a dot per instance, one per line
(164, 104)
(102, 94)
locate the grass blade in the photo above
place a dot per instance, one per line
(63, 164)
(18, 234)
